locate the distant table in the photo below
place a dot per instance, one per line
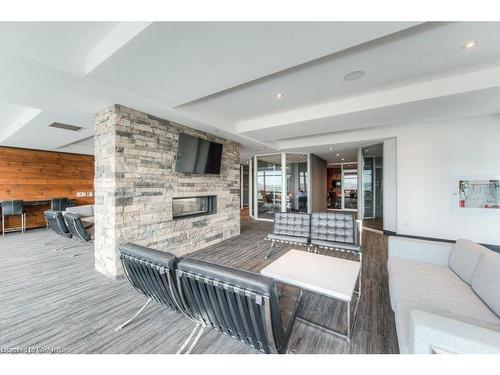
(329, 276)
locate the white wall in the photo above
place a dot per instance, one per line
(389, 183)
(427, 157)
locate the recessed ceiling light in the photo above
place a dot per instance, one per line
(355, 75)
(470, 44)
(279, 96)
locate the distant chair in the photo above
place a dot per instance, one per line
(13, 208)
(335, 231)
(59, 204)
(291, 228)
(55, 222)
(76, 227)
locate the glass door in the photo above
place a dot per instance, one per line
(268, 185)
(296, 183)
(368, 187)
(370, 162)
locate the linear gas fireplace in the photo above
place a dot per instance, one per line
(194, 206)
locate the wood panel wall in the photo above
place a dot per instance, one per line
(33, 175)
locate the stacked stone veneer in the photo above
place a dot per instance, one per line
(135, 182)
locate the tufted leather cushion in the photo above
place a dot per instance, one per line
(334, 227)
(292, 224)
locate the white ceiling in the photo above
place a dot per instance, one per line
(60, 44)
(224, 77)
(390, 62)
(178, 62)
(347, 152)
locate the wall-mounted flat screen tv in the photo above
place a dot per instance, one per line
(196, 155)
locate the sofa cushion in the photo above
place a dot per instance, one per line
(486, 280)
(408, 276)
(465, 257)
(436, 287)
(402, 318)
(82, 211)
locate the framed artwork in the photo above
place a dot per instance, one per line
(473, 193)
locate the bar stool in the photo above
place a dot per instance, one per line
(59, 204)
(13, 208)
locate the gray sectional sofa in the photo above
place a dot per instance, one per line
(82, 211)
(446, 297)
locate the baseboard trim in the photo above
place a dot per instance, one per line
(495, 248)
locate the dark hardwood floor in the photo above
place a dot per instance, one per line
(56, 301)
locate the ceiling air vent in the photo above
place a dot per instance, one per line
(58, 125)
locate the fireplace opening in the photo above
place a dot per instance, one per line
(194, 206)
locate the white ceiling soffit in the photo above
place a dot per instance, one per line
(367, 110)
(470, 104)
(63, 45)
(14, 117)
(84, 146)
(178, 62)
(74, 99)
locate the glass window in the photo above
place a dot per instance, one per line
(268, 185)
(350, 186)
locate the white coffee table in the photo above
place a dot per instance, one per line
(329, 276)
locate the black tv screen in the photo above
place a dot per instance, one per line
(196, 155)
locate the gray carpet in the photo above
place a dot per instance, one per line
(54, 301)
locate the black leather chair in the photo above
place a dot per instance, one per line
(13, 208)
(335, 231)
(55, 222)
(76, 227)
(292, 228)
(151, 273)
(59, 204)
(240, 304)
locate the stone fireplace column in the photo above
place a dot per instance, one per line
(105, 210)
(136, 184)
